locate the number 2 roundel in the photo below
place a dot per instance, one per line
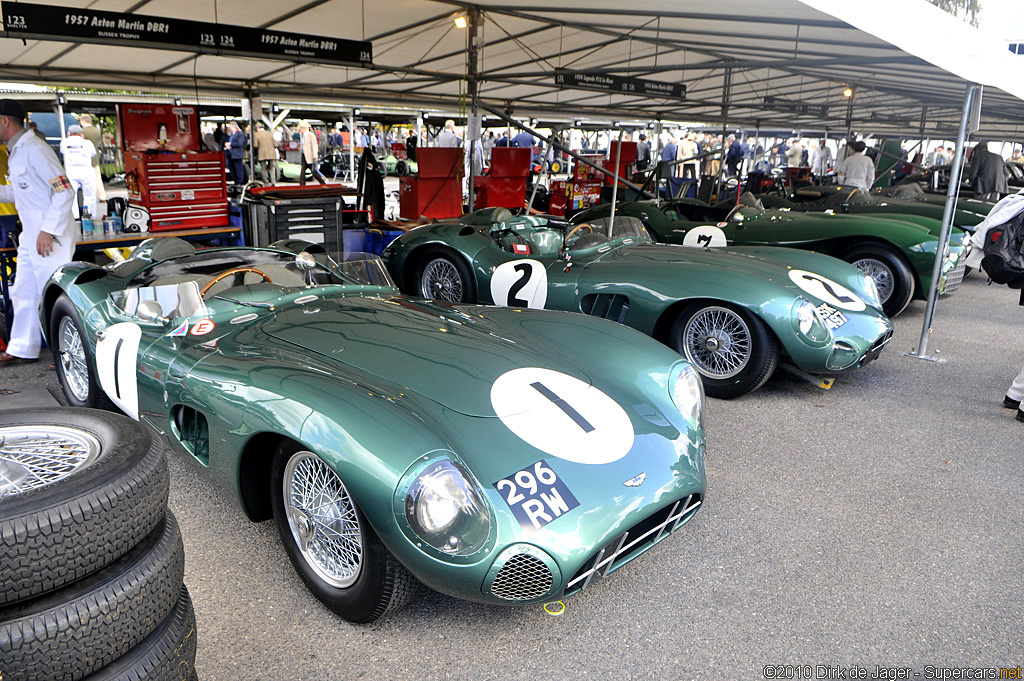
(827, 290)
(562, 415)
(520, 283)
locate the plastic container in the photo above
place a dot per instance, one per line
(86, 226)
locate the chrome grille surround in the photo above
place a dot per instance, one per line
(954, 277)
(635, 541)
(521, 573)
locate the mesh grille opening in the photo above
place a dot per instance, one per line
(954, 278)
(522, 578)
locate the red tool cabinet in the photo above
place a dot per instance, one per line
(436, 191)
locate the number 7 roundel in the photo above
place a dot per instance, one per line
(520, 283)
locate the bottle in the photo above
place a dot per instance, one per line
(86, 224)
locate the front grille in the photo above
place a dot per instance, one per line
(635, 541)
(522, 578)
(881, 342)
(955, 276)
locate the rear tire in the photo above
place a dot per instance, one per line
(893, 276)
(731, 349)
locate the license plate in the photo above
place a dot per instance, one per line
(536, 495)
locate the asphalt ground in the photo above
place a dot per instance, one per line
(876, 523)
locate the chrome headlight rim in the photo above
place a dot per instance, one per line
(808, 324)
(690, 400)
(406, 498)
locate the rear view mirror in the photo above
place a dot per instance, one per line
(150, 311)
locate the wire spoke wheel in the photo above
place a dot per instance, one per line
(323, 520)
(717, 342)
(885, 282)
(441, 281)
(71, 354)
(36, 456)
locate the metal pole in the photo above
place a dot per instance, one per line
(615, 186)
(558, 145)
(60, 116)
(351, 146)
(253, 101)
(947, 220)
(473, 89)
(545, 172)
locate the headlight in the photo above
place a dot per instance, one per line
(871, 290)
(687, 392)
(808, 324)
(445, 509)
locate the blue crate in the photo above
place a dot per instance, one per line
(377, 240)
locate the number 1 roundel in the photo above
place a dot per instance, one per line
(520, 283)
(562, 415)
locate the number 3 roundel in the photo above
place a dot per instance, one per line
(562, 415)
(520, 283)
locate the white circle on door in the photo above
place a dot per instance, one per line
(705, 236)
(562, 415)
(827, 291)
(520, 283)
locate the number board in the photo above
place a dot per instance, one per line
(48, 22)
(536, 495)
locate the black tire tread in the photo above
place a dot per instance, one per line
(50, 540)
(167, 654)
(400, 589)
(75, 631)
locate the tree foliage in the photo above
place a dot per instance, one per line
(967, 9)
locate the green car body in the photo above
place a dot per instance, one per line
(383, 388)
(841, 199)
(650, 287)
(897, 250)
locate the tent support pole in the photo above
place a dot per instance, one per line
(947, 220)
(473, 131)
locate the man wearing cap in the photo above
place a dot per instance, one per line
(43, 196)
(78, 154)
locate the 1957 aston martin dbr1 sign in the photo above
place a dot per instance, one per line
(498, 455)
(733, 313)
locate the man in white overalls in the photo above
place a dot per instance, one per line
(43, 196)
(78, 153)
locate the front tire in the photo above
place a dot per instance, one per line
(76, 366)
(893, 278)
(731, 349)
(443, 276)
(331, 544)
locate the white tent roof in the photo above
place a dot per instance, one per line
(785, 50)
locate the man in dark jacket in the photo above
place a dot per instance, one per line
(733, 156)
(236, 152)
(988, 174)
(643, 153)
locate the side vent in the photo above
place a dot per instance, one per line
(191, 429)
(466, 231)
(611, 306)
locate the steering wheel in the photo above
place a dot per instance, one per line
(565, 241)
(235, 270)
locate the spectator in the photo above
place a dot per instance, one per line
(93, 134)
(266, 153)
(488, 143)
(668, 152)
(794, 153)
(447, 137)
(733, 156)
(411, 142)
(988, 174)
(309, 155)
(857, 171)
(236, 152)
(78, 154)
(220, 138)
(821, 160)
(210, 142)
(42, 196)
(34, 127)
(523, 140)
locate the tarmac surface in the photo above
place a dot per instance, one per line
(877, 523)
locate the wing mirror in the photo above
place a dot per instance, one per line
(150, 311)
(305, 261)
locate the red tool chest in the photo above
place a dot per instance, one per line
(436, 191)
(504, 186)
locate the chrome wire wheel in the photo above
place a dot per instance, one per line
(716, 341)
(441, 281)
(323, 520)
(885, 282)
(73, 364)
(39, 455)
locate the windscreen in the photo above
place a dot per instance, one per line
(177, 301)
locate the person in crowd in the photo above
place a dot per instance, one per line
(1017, 156)
(779, 151)
(94, 135)
(794, 153)
(447, 137)
(220, 137)
(643, 153)
(34, 127)
(687, 148)
(78, 154)
(209, 141)
(42, 194)
(266, 153)
(747, 146)
(668, 152)
(733, 156)
(857, 171)
(236, 145)
(411, 142)
(523, 140)
(487, 142)
(821, 160)
(988, 174)
(803, 179)
(309, 155)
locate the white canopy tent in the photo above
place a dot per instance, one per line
(770, 63)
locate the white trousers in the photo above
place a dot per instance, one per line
(84, 178)
(1016, 391)
(31, 275)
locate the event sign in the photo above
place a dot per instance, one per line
(620, 84)
(47, 22)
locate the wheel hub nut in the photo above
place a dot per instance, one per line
(303, 527)
(712, 344)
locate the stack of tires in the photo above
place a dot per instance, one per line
(91, 560)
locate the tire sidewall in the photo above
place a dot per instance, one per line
(356, 603)
(65, 308)
(760, 365)
(456, 261)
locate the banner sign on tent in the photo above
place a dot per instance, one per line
(47, 22)
(782, 104)
(621, 84)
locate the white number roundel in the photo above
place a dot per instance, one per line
(705, 236)
(827, 290)
(562, 416)
(520, 283)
